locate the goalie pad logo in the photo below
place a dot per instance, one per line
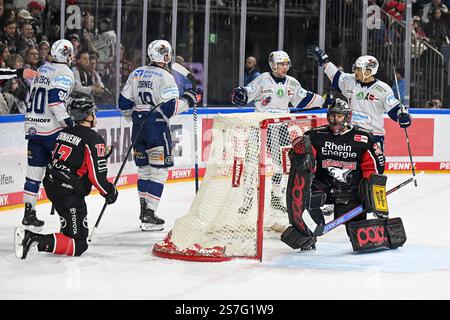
(379, 196)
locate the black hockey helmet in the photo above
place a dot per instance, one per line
(80, 107)
(339, 107)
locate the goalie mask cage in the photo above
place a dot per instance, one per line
(243, 192)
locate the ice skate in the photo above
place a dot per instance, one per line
(30, 221)
(24, 240)
(149, 220)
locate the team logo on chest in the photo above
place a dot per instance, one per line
(280, 93)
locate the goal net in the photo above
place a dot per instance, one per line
(243, 192)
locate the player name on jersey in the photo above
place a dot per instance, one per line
(70, 138)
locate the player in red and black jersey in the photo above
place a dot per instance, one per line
(331, 164)
(79, 162)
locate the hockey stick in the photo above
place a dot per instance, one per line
(320, 230)
(402, 107)
(185, 72)
(121, 169)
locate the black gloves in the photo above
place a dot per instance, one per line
(192, 96)
(404, 119)
(111, 197)
(239, 96)
(314, 52)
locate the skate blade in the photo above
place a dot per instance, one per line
(19, 235)
(151, 227)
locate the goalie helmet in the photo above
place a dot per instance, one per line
(62, 51)
(81, 107)
(277, 57)
(339, 107)
(367, 63)
(160, 51)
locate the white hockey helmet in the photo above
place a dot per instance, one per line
(367, 63)
(160, 51)
(277, 57)
(62, 51)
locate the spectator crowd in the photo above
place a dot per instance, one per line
(26, 36)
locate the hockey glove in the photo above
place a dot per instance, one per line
(404, 119)
(111, 197)
(317, 54)
(302, 155)
(192, 96)
(372, 193)
(239, 96)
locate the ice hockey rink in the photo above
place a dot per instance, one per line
(119, 263)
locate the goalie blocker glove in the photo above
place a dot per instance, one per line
(314, 52)
(372, 193)
(239, 96)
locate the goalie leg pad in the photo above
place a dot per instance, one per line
(375, 234)
(297, 240)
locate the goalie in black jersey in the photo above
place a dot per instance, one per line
(79, 162)
(338, 163)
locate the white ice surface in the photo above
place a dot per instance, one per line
(119, 263)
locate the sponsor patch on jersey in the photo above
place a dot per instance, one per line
(328, 163)
(31, 131)
(170, 92)
(280, 93)
(138, 73)
(266, 101)
(371, 97)
(302, 93)
(391, 100)
(360, 96)
(251, 88)
(62, 81)
(361, 138)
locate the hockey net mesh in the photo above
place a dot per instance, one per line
(246, 176)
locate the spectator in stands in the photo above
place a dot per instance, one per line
(8, 35)
(32, 58)
(2, 9)
(44, 52)
(23, 16)
(126, 67)
(395, 9)
(434, 103)
(75, 40)
(8, 15)
(104, 44)
(182, 82)
(27, 39)
(4, 55)
(437, 29)
(401, 86)
(105, 96)
(88, 33)
(428, 10)
(15, 91)
(36, 9)
(251, 73)
(418, 31)
(86, 82)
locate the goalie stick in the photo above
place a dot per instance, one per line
(185, 72)
(320, 230)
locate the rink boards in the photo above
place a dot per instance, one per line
(429, 137)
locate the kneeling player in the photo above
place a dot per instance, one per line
(339, 164)
(79, 161)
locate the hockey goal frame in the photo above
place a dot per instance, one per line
(191, 255)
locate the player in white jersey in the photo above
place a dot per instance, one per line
(368, 97)
(46, 115)
(147, 87)
(275, 92)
